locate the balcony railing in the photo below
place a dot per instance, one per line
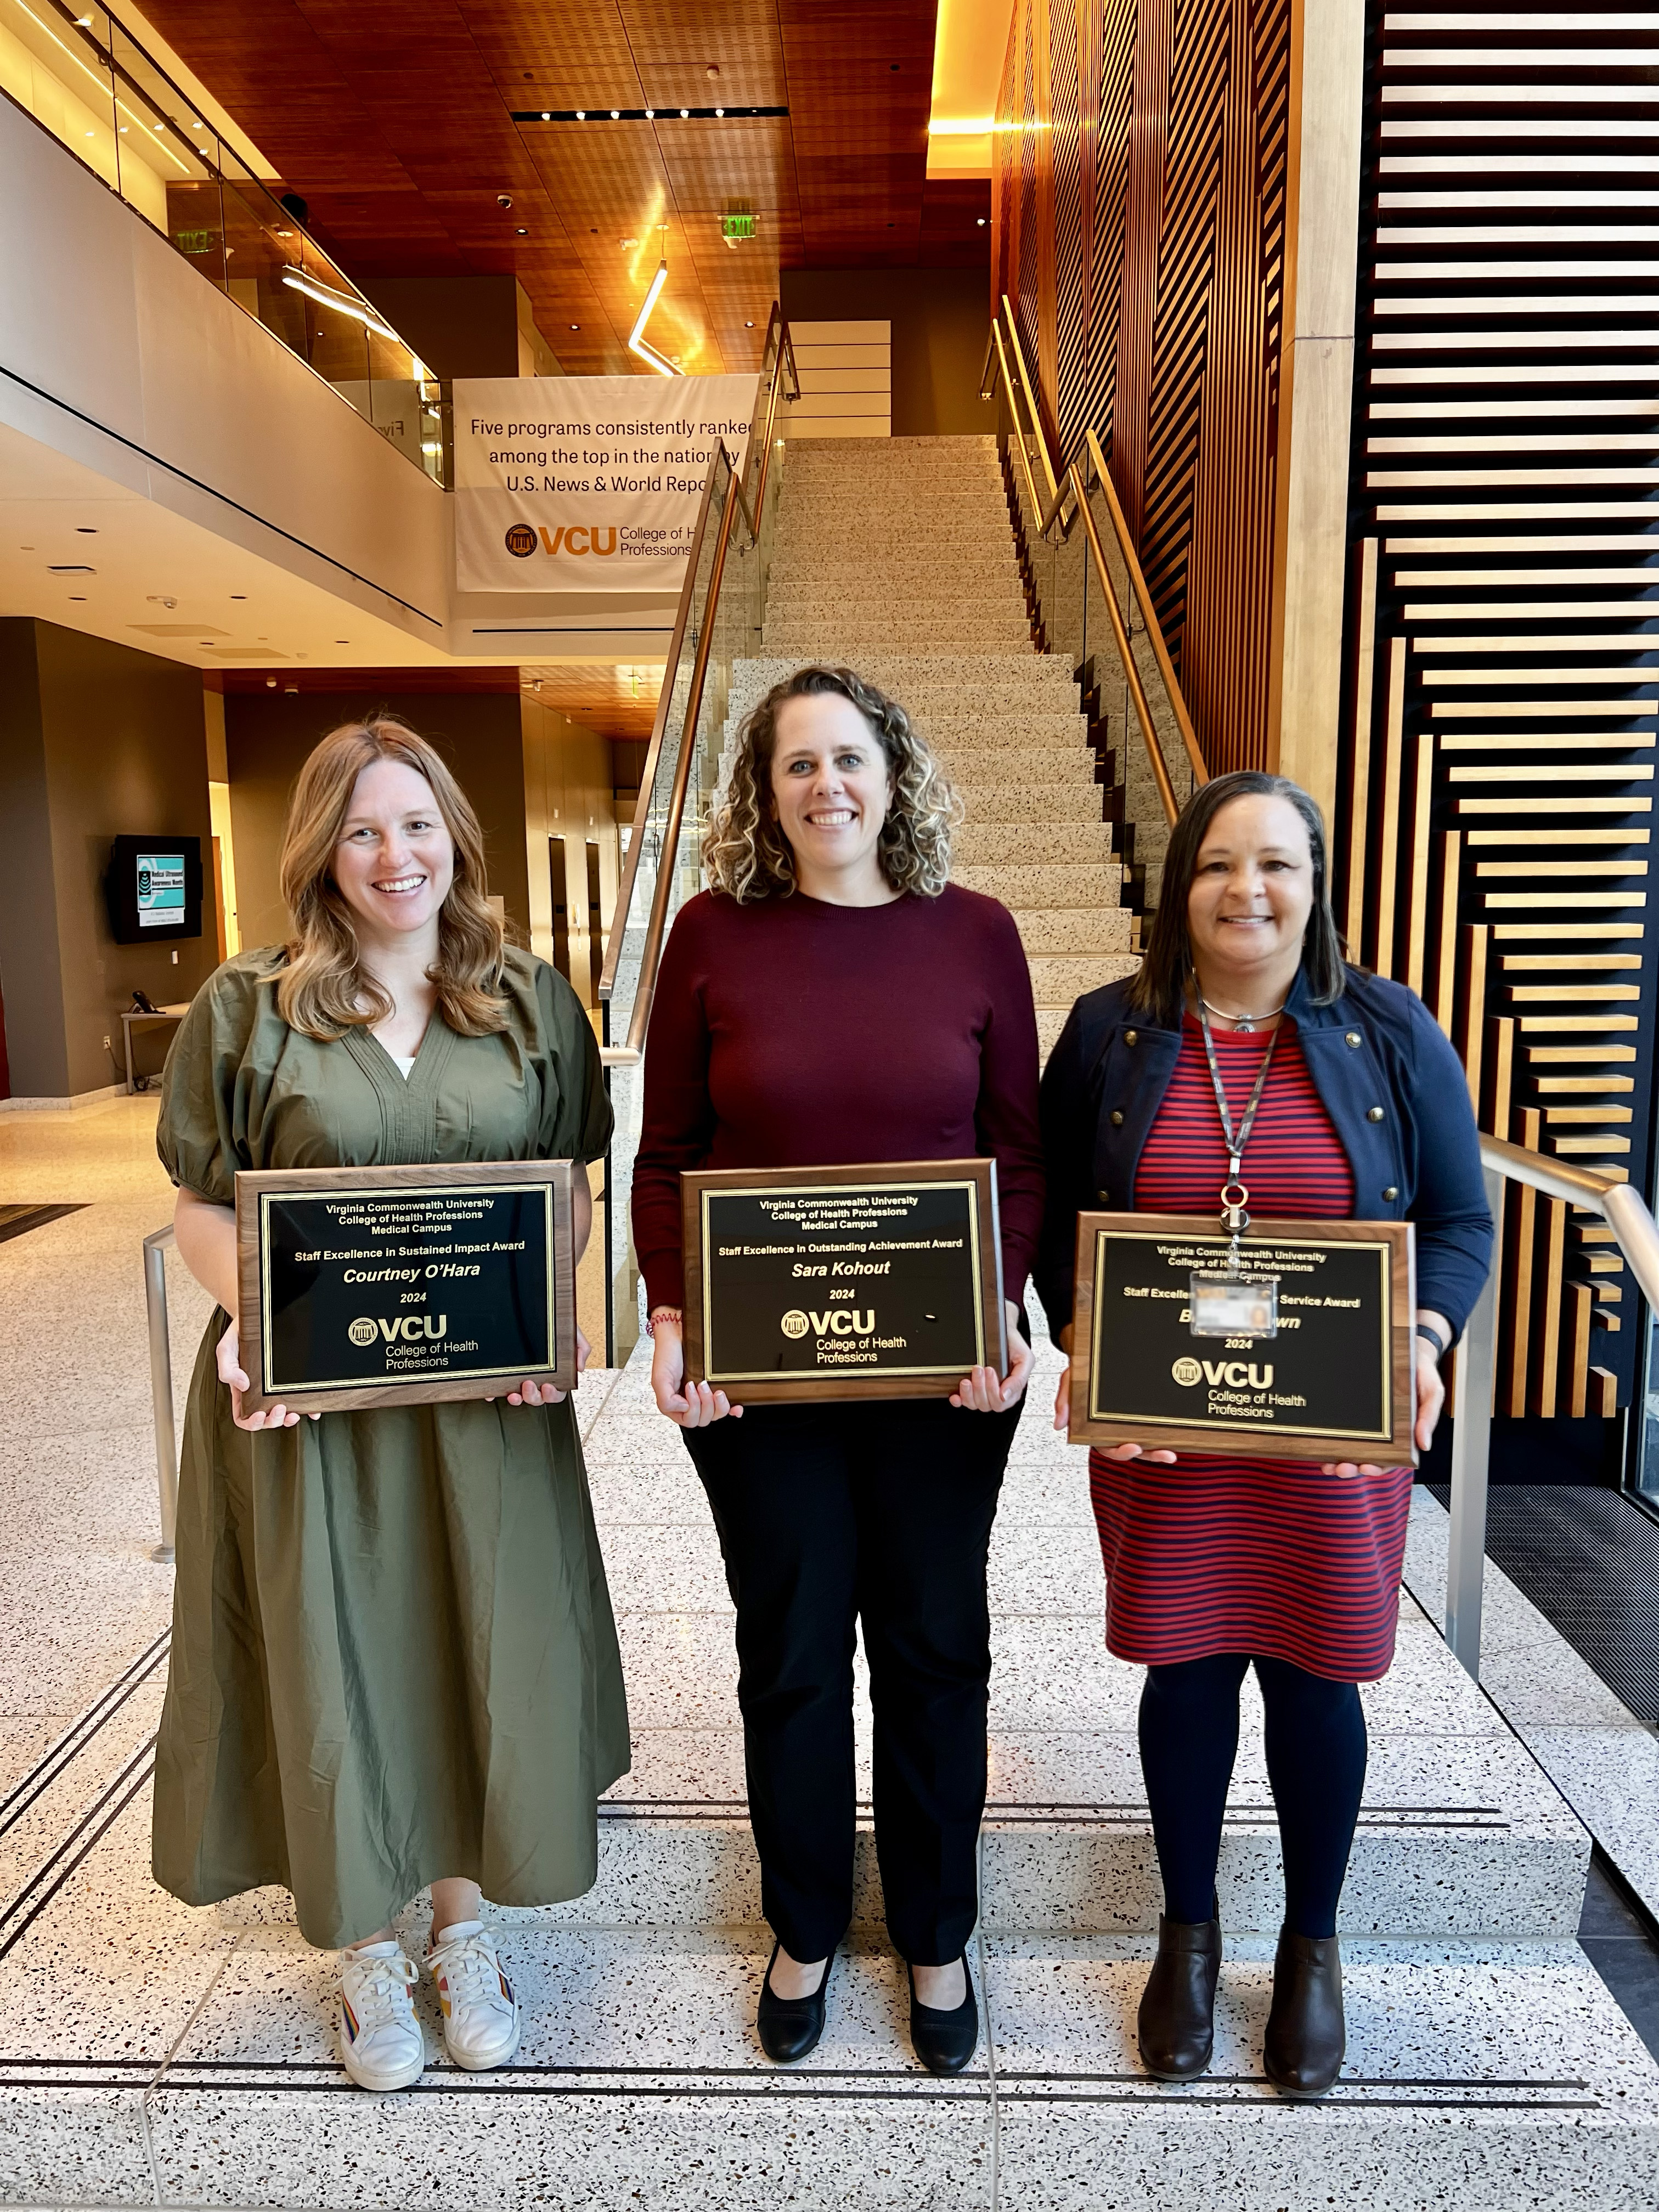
(82, 75)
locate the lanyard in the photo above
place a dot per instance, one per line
(1234, 1196)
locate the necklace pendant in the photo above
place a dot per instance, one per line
(1245, 1026)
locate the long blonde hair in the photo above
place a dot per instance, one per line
(323, 990)
(745, 851)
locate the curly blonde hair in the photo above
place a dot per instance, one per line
(745, 852)
(323, 990)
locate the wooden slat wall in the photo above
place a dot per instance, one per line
(1140, 208)
(1500, 741)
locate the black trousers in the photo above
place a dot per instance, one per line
(877, 1511)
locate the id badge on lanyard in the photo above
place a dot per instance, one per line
(1230, 1301)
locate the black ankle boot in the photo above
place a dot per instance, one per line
(944, 2041)
(1177, 2007)
(1306, 2034)
(788, 2028)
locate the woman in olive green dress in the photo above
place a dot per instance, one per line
(394, 1661)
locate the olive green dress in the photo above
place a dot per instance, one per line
(393, 1655)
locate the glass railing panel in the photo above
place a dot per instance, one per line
(58, 68)
(84, 76)
(731, 630)
(169, 153)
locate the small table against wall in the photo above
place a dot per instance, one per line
(134, 1016)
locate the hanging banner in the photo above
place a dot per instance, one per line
(587, 484)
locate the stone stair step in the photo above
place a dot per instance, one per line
(989, 803)
(794, 605)
(1075, 929)
(1045, 884)
(986, 842)
(843, 642)
(1051, 1020)
(1059, 979)
(973, 725)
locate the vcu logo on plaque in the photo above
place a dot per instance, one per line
(795, 1324)
(1187, 1372)
(521, 541)
(361, 1332)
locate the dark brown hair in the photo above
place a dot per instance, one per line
(1159, 991)
(746, 853)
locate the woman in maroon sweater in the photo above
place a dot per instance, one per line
(834, 999)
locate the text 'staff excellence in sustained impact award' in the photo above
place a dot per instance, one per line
(847, 1282)
(405, 1286)
(1318, 1367)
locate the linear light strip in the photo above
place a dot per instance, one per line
(637, 343)
(341, 305)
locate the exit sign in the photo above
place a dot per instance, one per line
(735, 227)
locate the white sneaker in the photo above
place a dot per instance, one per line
(382, 2046)
(480, 2013)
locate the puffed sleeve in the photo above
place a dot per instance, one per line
(575, 1111)
(210, 1079)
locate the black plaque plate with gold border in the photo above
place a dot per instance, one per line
(1336, 1381)
(880, 1281)
(405, 1285)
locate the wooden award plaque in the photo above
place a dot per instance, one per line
(405, 1285)
(804, 1284)
(1337, 1381)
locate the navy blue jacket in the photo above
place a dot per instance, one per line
(1390, 1082)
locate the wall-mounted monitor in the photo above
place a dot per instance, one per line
(154, 888)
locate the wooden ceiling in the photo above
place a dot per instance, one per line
(395, 123)
(619, 702)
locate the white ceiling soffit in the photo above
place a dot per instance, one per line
(968, 48)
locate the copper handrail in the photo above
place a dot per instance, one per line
(1148, 616)
(752, 512)
(1132, 674)
(1072, 484)
(656, 928)
(625, 899)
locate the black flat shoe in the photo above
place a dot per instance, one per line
(944, 2041)
(1176, 2021)
(788, 2028)
(1306, 2032)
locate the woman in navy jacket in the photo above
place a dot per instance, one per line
(1217, 1562)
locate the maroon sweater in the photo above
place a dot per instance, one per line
(794, 1034)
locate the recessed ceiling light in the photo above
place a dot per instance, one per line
(581, 115)
(575, 326)
(980, 221)
(342, 641)
(748, 326)
(616, 114)
(521, 231)
(78, 599)
(547, 115)
(684, 112)
(86, 530)
(271, 682)
(650, 114)
(719, 111)
(239, 595)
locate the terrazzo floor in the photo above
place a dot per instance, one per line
(152, 2054)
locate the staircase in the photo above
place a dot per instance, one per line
(895, 556)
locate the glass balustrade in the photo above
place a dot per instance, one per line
(84, 77)
(703, 701)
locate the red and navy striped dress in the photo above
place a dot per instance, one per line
(1270, 1556)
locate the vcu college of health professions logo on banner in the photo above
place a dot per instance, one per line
(586, 483)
